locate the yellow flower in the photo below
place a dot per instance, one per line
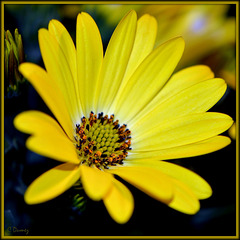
(121, 115)
(206, 28)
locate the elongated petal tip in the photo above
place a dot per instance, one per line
(23, 68)
(180, 41)
(55, 27)
(119, 202)
(53, 22)
(41, 33)
(16, 121)
(184, 199)
(132, 13)
(83, 14)
(177, 41)
(27, 69)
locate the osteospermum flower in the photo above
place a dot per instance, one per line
(121, 114)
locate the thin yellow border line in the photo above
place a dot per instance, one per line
(122, 2)
(2, 120)
(237, 120)
(119, 237)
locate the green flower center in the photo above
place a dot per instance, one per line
(101, 141)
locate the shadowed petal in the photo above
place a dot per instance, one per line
(119, 202)
(184, 200)
(151, 181)
(96, 183)
(196, 183)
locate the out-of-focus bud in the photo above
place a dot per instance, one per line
(13, 57)
(19, 44)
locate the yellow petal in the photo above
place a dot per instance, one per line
(190, 150)
(196, 183)
(151, 181)
(37, 123)
(183, 130)
(195, 99)
(65, 43)
(149, 78)
(143, 45)
(119, 202)
(184, 79)
(95, 182)
(115, 61)
(50, 93)
(184, 200)
(52, 183)
(178, 82)
(232, 131)
(67, 46)
(53, 146)
(89, 60)
(58, 68)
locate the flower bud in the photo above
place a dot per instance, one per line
(13, 57)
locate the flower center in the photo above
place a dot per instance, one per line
(101, 141)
